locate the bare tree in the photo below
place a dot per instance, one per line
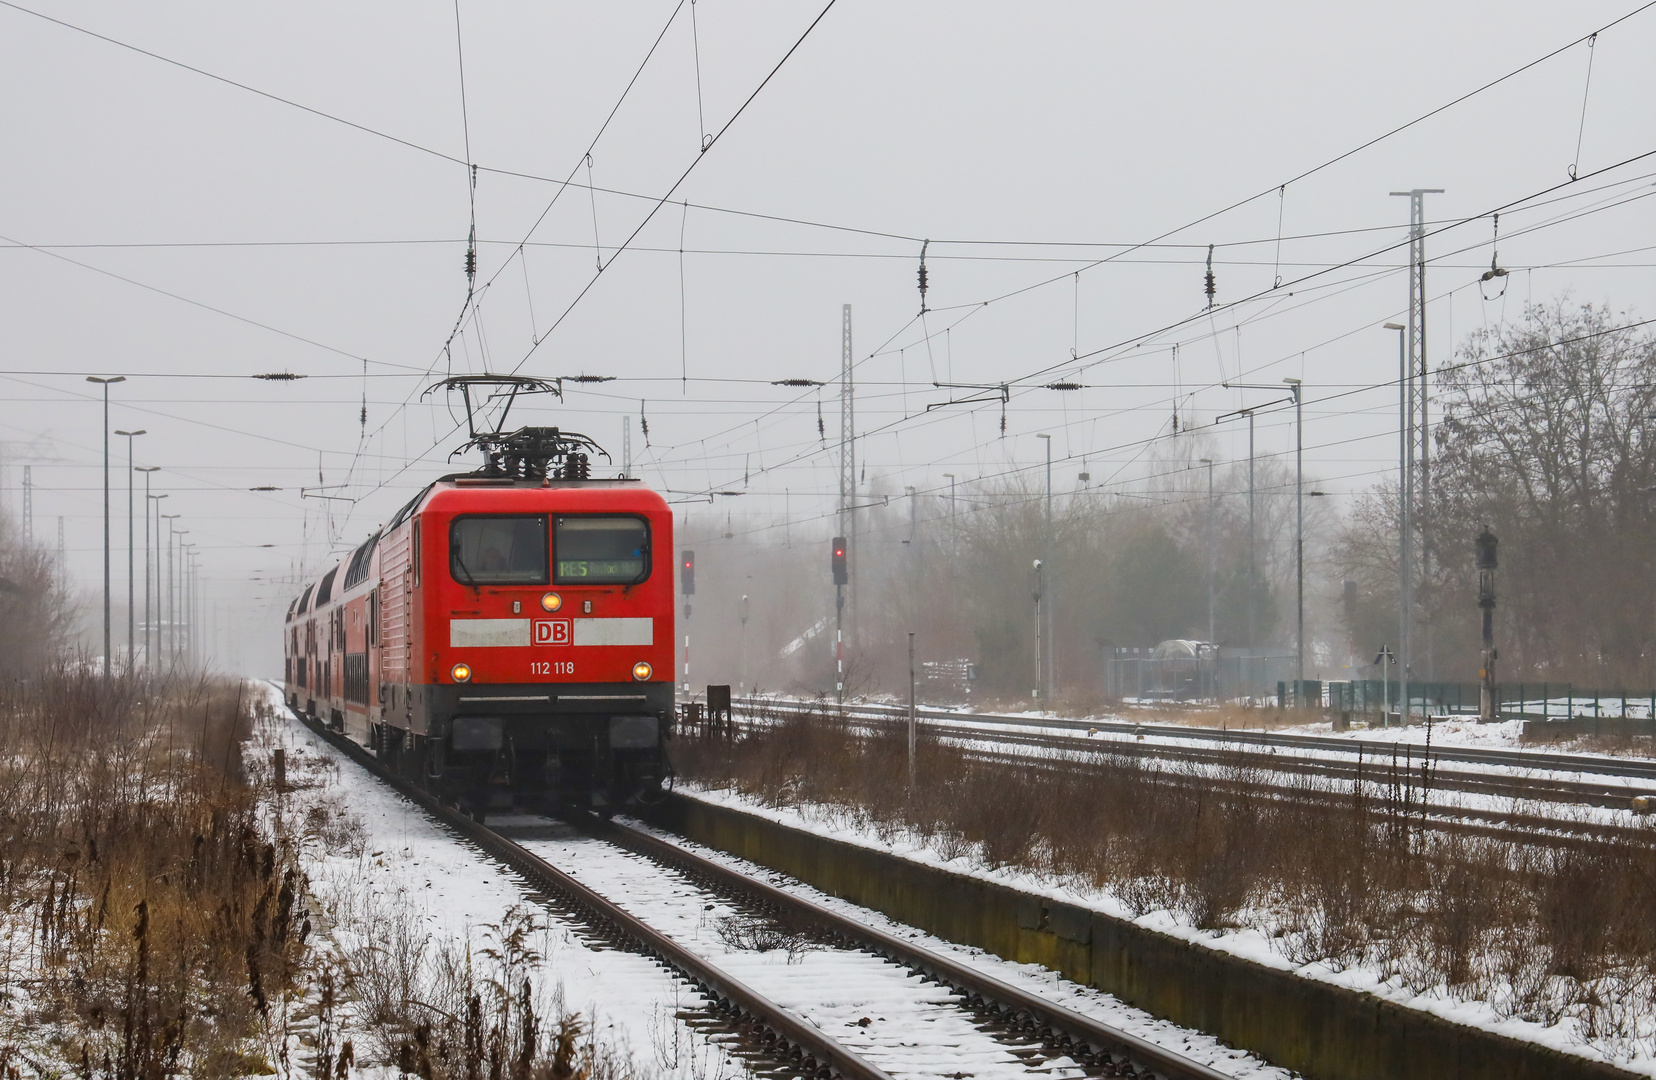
(1547, 439)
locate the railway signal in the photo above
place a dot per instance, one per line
(1489, 707)
(842, 575)
(687, 574)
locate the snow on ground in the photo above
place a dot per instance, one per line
(914, 1027)
(411, 868)
(1248, 942)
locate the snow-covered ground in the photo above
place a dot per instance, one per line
(411, 869)
(414, 869)
(1567, 1035)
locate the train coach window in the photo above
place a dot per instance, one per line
(600, 550)
(505, 549)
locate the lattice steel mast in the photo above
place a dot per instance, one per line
(1416, 493)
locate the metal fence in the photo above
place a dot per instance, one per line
(1544, 701)
(1138, 673)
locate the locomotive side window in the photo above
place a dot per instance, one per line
(503, 549)
(596, 550)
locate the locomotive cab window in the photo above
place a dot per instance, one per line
(503, 549)
(600, 550)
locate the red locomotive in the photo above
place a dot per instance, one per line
(507, 638)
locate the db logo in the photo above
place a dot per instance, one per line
(552, 632)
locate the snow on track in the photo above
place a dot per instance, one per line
(913, 1027)
(1033, 978)
(428, 874)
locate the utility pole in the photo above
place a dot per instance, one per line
(626, 446)
(1045, 678)
(132, 598)
(1405, 546)
(952, 535)
(1299, 529)
(105, 383)
(848, 455)
(1253, 574)
(911, 713)
(1418, 419)
(1405, 525)
(28, 508)
(1211, 634)
(63, 552)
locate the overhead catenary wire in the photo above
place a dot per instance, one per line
(683, 374)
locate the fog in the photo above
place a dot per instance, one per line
(187, 233)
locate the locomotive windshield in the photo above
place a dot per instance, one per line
(498, 549)
(597, 550)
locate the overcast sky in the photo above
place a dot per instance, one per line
(187, 234)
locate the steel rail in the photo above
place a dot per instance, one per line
(817, 1053)
(1039, 1015)
(1509, 826)
(1544, 789)
(1536, 832)
(1512, 759)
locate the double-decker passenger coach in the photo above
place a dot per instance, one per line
(507, 638)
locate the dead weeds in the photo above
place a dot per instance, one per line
(1538, 931)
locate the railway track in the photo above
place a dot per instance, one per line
(1030, 1028)
(1271, 775)
(1342, 760)
(1624, 769)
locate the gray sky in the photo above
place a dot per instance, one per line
(1023, 140)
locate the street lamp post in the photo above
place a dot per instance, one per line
(106, 383)
(743, 611)
(170, 608)
(186, 601)
(150, 566)
(1040, 590)
(132, 598)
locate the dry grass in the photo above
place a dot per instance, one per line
(157, 918)
(1232, 716)
(1542, 933)
(150, 919)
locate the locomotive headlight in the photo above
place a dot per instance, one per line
(642, 671)
(461, 672)
(551, 601)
